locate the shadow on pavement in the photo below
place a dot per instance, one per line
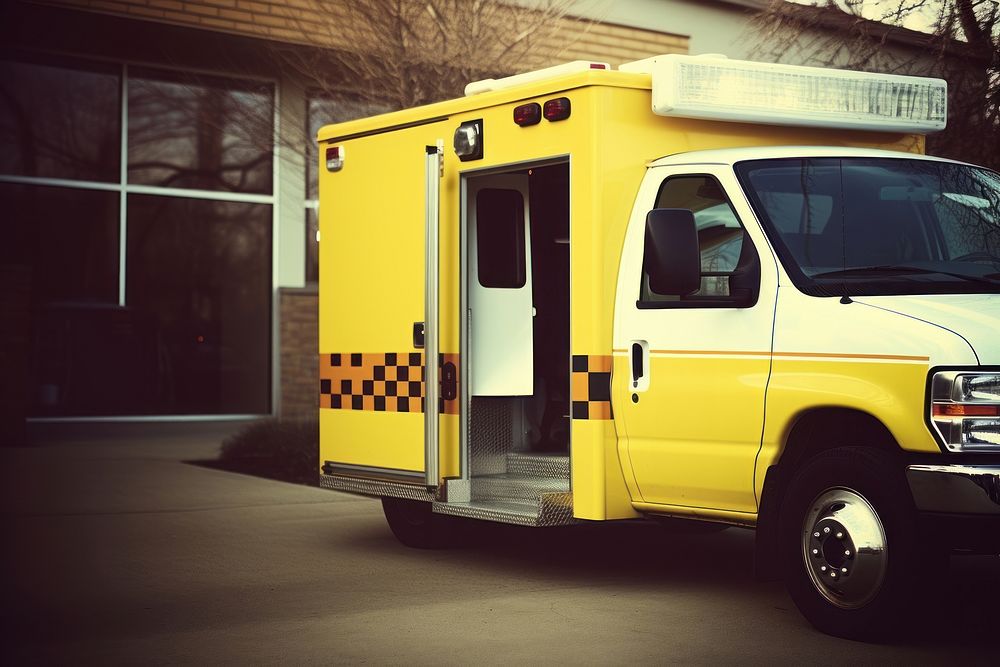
(957, 612)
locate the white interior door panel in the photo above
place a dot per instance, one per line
(500, 286)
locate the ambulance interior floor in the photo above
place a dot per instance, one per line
(117, 552)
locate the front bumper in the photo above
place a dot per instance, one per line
(958, 505)
(955, 489)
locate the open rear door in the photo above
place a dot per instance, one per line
(500, 286)
(387, 377)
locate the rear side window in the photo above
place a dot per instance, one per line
(500, 238)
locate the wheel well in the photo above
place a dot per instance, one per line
(827, 428)
(813, 432)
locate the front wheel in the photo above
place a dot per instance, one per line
(849, 543)
(414, 524)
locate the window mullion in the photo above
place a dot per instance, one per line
(122, 194)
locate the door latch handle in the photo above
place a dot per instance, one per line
(418, 335)
(637, 365)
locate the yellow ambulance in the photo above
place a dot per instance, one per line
(688, 287)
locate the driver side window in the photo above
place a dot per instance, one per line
(720, 236)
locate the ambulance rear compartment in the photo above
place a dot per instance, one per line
(504, 333)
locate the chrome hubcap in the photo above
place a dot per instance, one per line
(844, 548)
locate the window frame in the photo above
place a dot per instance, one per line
(124, 189)
(698, 301)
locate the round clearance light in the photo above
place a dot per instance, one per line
(557, 109)
(469, 140)
(528, 114)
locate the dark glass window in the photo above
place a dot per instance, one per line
(720, 234)
(60, 120)
(500, 238)
(67, 237)
(312, 245)
(863, 226)
(200, 272)
(62, 244)
(204, 133)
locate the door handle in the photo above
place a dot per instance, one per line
(639, 362)
(638, 371)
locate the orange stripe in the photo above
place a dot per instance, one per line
(894, 357)
(812, 355)
(703, 352)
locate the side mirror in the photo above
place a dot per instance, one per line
(672, 259)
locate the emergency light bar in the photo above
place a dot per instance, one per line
(714, 87)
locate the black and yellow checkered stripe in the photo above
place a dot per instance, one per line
(591, 386)
(384, 382)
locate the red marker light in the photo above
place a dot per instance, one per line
(335, 158)
(200, 339)
(528, 114)
(598, 66)
(557, 109)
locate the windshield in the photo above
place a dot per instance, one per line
(864, 226)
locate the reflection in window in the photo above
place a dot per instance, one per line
(68, 238)
(64, 243)
(312, 245)
(720, 235)
(195, 270)
(60, 120)
(201, 271)
(202, 133)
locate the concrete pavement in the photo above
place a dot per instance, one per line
(118, 552)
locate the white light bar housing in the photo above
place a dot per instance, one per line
(713, 87)
(486, 85)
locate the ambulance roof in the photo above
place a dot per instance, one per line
(709, 87)
(499, 97)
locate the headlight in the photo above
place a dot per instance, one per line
(979, 387)
(965, 410)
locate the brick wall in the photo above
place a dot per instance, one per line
(324, 23)
(299, 309)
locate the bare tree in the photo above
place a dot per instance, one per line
(362, 58)
(958, 41)
(402, 53)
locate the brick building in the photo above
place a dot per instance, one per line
(159, 206)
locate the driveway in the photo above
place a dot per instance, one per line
(118, 552)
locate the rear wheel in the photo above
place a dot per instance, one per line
(415, 524)
(849, 543)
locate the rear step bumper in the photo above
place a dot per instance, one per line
(373, 487)
(535, 491)
(552, 509)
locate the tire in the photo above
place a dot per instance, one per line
(415, 525)
(841, 501)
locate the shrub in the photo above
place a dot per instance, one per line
(282, 450)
